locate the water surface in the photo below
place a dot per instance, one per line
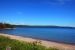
(63, 35)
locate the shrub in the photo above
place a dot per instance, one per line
(19, 45)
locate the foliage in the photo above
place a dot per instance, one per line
(5, 25)
(19, 45)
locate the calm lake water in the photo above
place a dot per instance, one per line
(63, 35)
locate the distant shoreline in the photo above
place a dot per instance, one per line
(9, 28)
(43, 42)
(29, 26)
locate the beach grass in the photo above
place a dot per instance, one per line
(6, 42)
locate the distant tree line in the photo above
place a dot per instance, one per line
(5, 25)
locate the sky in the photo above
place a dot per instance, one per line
(38, 12)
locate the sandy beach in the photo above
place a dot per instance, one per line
(61, 46)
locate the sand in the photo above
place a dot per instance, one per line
(61, 46)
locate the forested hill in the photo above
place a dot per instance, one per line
(5, 25)
(29, 26)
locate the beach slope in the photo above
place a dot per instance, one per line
(61, 46)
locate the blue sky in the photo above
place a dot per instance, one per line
(38, 12)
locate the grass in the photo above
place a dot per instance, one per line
(6, 42)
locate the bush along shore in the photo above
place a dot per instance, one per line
(10, 44)
(6, 26)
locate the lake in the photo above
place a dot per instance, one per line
(63, 35)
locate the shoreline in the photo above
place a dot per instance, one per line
(45, 43)
(47, 40)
